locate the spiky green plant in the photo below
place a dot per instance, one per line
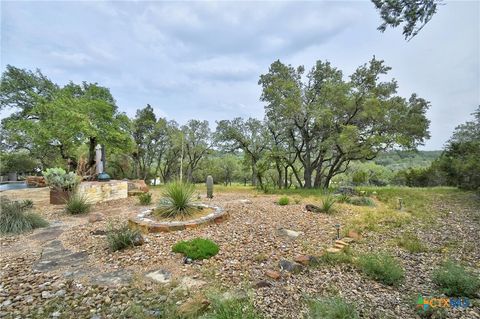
(145, 198)
(77, 204)
(327, 204)
(15, 217)
(177, 200)
(121, 237)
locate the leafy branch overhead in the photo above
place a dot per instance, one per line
(412, 14)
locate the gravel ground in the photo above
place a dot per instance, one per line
(249, 246)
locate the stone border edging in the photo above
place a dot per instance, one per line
(147, 225)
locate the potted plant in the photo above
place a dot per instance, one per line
(61, 184)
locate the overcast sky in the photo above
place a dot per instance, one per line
(203, 59)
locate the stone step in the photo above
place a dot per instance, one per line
(341, 242)
(338, 246)
(348, 240)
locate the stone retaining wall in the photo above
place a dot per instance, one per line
(103, 191)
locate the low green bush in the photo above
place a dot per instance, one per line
(284, 201)
(361, 201)
(122, 237)
(15, 217)
(343, 257)
(411, 243)
(332, 308)
(197, 248)
(342, 198)
(454, 280)
(381, 267)
(77, 204)
(145, 198)
(232, 309)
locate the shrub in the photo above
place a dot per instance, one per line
(77, 204)
(177, 200)
(15, 218)
(332, 308)
(58, 178)
(382, 268)
(122, 237)
(411, 243)
(27, 203)
(343, 257)
(145, 198)
(198, 248)
(455, 281)
(232, 309)
(343, 198)
(361, 201)
(284, 201)
(327, 204)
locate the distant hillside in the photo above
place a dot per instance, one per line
(397, 160)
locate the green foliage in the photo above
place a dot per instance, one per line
(19, 162)
(15, 217)
(327, 204)
(343, 257)
(411, 243)
(177, 200)
(361, 201)
(283, 201)
(381, 267)
(413, 15)
(232, 309)
(145, 198)
(332, 308)
(342, 198)
(122, 237)
(77, 204)
(454, 280)
(60, 179)
(197, 248)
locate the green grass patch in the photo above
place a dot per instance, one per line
(343, 257)
(77, 204)
(454, 280)
(15, 217)
(122, 237)
(327, 204)
(382, 268)
(232, 309)
(197, 248)
(361, 201)
(283, 201)
(332, 308)
(411, 243)
(145, 199)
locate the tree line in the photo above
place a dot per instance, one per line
(316, 123)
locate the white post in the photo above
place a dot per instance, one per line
(98, 159)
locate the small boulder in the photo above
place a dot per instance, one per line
(354, 235)
(306, 260)
(138, 240)
(161, 276)
(291, 234)
(313, 208)
(98, 232)
(95, 217)
(273, 274)
(290, 266)
(137, 184)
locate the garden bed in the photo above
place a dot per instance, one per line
(147, 223)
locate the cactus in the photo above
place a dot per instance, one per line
(209, 186)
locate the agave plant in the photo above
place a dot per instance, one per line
(177, 200)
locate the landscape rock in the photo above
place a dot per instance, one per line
(313, 208)
(262, 284)
(290, 266)
(288, 233)
(273, 274)
(354, 235)
(137, 185)
(161, 276)
(96, 217)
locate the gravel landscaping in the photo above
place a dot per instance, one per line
(67, 268)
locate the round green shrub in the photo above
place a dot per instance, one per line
(197, 248)
(284, 201)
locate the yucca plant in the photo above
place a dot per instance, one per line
(77, 204)
(177, 200)
(327, 204)
(15, 217)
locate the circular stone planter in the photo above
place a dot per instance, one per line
(145, 224)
